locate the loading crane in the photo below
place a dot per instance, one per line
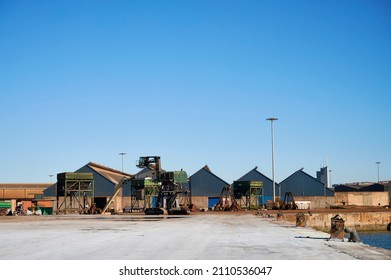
(170, 186)
(289, 202)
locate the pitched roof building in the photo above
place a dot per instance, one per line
(302, 184)
(255, 175)
(205, 183)
(205, 188)
(105, 180)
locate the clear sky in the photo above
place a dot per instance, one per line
(194, 81)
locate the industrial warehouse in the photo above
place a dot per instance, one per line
(98, 187)
(203, 213)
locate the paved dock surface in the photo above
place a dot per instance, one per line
(193, 237)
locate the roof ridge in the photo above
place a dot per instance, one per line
(93, 164)
(259, 172)
(210, 172)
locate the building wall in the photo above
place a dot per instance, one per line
(358, 220)
(302, 184)
(14, 193)
(205, 183)
(317, 202)
(322, 175)
(255, 175)
(200, 202)
(126, 201)
(102, 186)
(362, 198)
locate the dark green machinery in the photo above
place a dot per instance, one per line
(76, 191)
(169, 187)
(144, 193)
(248, 193)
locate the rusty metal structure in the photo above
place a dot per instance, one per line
(300, 220)
(76, 191)
(227, 201)
(144, 193)
(289, 202)
(280, 215)
(337, 230)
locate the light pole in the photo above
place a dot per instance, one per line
(122, 155)
(378, 171)
(273, 175)
(51, 176)
(331, 185)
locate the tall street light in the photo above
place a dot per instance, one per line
(378, 171)
(122, 155)
(274, 182)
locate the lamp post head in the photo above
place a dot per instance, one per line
(271, 119)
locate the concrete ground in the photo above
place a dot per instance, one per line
(193, 237)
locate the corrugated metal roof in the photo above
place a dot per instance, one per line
(207, 169)
(360, 188)
(255, 175)
(205, 183)
(301, 183)
(300, 171)
(249, 176)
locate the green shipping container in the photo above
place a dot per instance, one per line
(5, 204)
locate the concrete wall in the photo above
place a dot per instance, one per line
(362, 198)
(317, 202)
(200, 202)
(358, 220)
(126, 201)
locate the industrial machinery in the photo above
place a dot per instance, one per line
(75, 191)
(289, 202)
(169, 187)
(227, 201)
(300, 220)
(248, 193)
(337, 230)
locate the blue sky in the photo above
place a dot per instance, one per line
(193, 82)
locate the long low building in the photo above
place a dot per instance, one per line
(363, 194)
(24, 195)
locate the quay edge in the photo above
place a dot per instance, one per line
(360, 220)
